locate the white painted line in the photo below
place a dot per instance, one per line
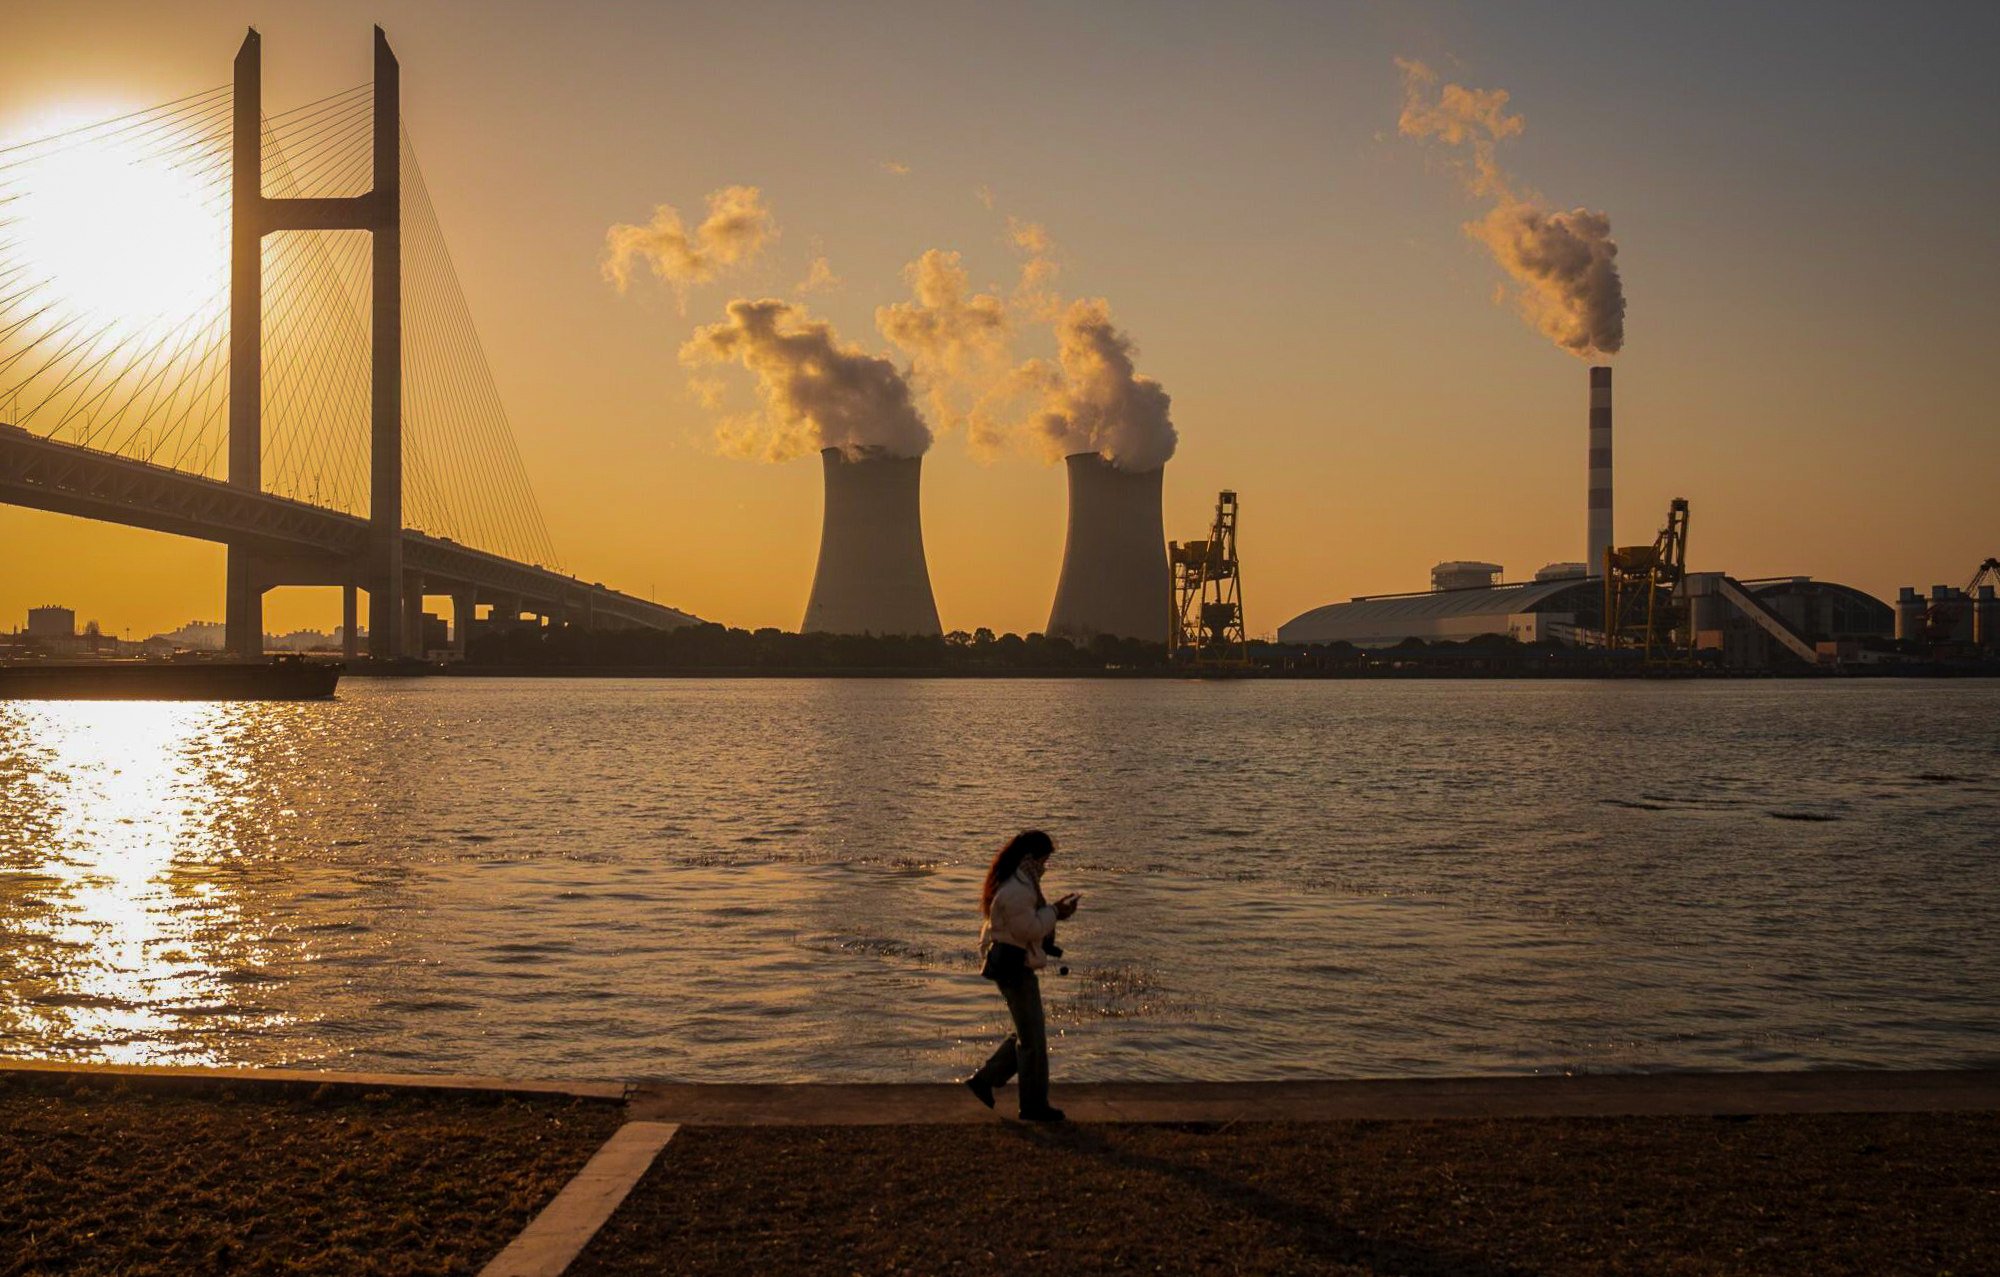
(566, 1225)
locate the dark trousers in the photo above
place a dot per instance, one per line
(1026, 1050)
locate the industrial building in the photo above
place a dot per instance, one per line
(1115, 578)
(51, 622)
(1968, 616)
(1726, 621)
(1755, 624)
(1533, 612)
(872, 577)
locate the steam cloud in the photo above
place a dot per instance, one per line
(736, 229)
(1035, 293)
(1092, 397)
(819, 276)
(956, 339)
(1563, 263)
(818, 392)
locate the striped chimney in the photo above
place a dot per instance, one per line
(1600, 469)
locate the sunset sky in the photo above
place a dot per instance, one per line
(1803, 201)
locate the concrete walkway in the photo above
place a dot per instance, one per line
(948, 1103)
(1597, 1095)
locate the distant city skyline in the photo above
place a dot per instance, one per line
(1797, 204)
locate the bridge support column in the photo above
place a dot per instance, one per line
(350, 621)
(464, 602)
(413, 614)
(243, 606)
(385, 489)
(243, 599)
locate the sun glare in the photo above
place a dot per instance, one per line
(122, 235)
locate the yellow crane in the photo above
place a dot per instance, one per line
(1206, 627)
(1639, 583)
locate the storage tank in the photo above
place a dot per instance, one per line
(1465, 574)
(872, 577)
(1114, 570)
(1951, 614)
(1909, 615)
(1986, 618)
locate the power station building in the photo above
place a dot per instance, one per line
(1747, 623)
(1566, 610)
(1535, 612)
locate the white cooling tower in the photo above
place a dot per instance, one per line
(1600, 469)
(872, 578)
(1114, 572)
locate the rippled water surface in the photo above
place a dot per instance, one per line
(776, 879)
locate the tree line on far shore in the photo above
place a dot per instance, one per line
(710, 646)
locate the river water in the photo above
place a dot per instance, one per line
(776, 880)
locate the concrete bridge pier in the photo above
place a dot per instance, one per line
(243, 605)
(464, 602)
(413, 615)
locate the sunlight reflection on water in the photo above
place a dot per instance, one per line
(111, 960)
(770, 879)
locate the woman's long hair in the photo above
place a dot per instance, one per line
(1027, 843)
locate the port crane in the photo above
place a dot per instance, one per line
(1639, 589)
(1943, 619)
(1206, 627)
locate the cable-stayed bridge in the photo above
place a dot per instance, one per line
(296, 375)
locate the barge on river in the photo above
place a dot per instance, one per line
(285, 678)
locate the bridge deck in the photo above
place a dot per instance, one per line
(305, 544)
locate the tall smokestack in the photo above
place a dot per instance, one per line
(1600, 469)
(872, 578)
(1114, 572)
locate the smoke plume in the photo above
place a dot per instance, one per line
(957, 340)
(735, 231)
(818, 392)
(1564, 264)
(1092, 397)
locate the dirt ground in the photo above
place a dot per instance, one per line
(103, 1179)
(1892, 1193)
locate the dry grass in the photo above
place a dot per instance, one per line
(1812, 1194)
(102, 1179)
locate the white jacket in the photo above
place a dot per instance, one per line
(1015, 919)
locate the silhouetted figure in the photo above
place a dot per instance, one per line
(1014, 941)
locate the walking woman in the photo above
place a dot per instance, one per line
(1019, 920)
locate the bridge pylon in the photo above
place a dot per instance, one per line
(254, 215)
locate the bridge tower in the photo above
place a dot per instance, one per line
(253, 215)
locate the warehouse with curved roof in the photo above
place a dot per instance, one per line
(1532, 612)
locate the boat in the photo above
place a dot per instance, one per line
(283, 678)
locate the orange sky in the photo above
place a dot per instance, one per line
(1801, 212)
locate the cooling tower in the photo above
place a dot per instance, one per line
(1600, 470)
(871, 578)
(1114, 571)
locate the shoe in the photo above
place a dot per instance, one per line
(982, 1090)
(1043, 1114)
